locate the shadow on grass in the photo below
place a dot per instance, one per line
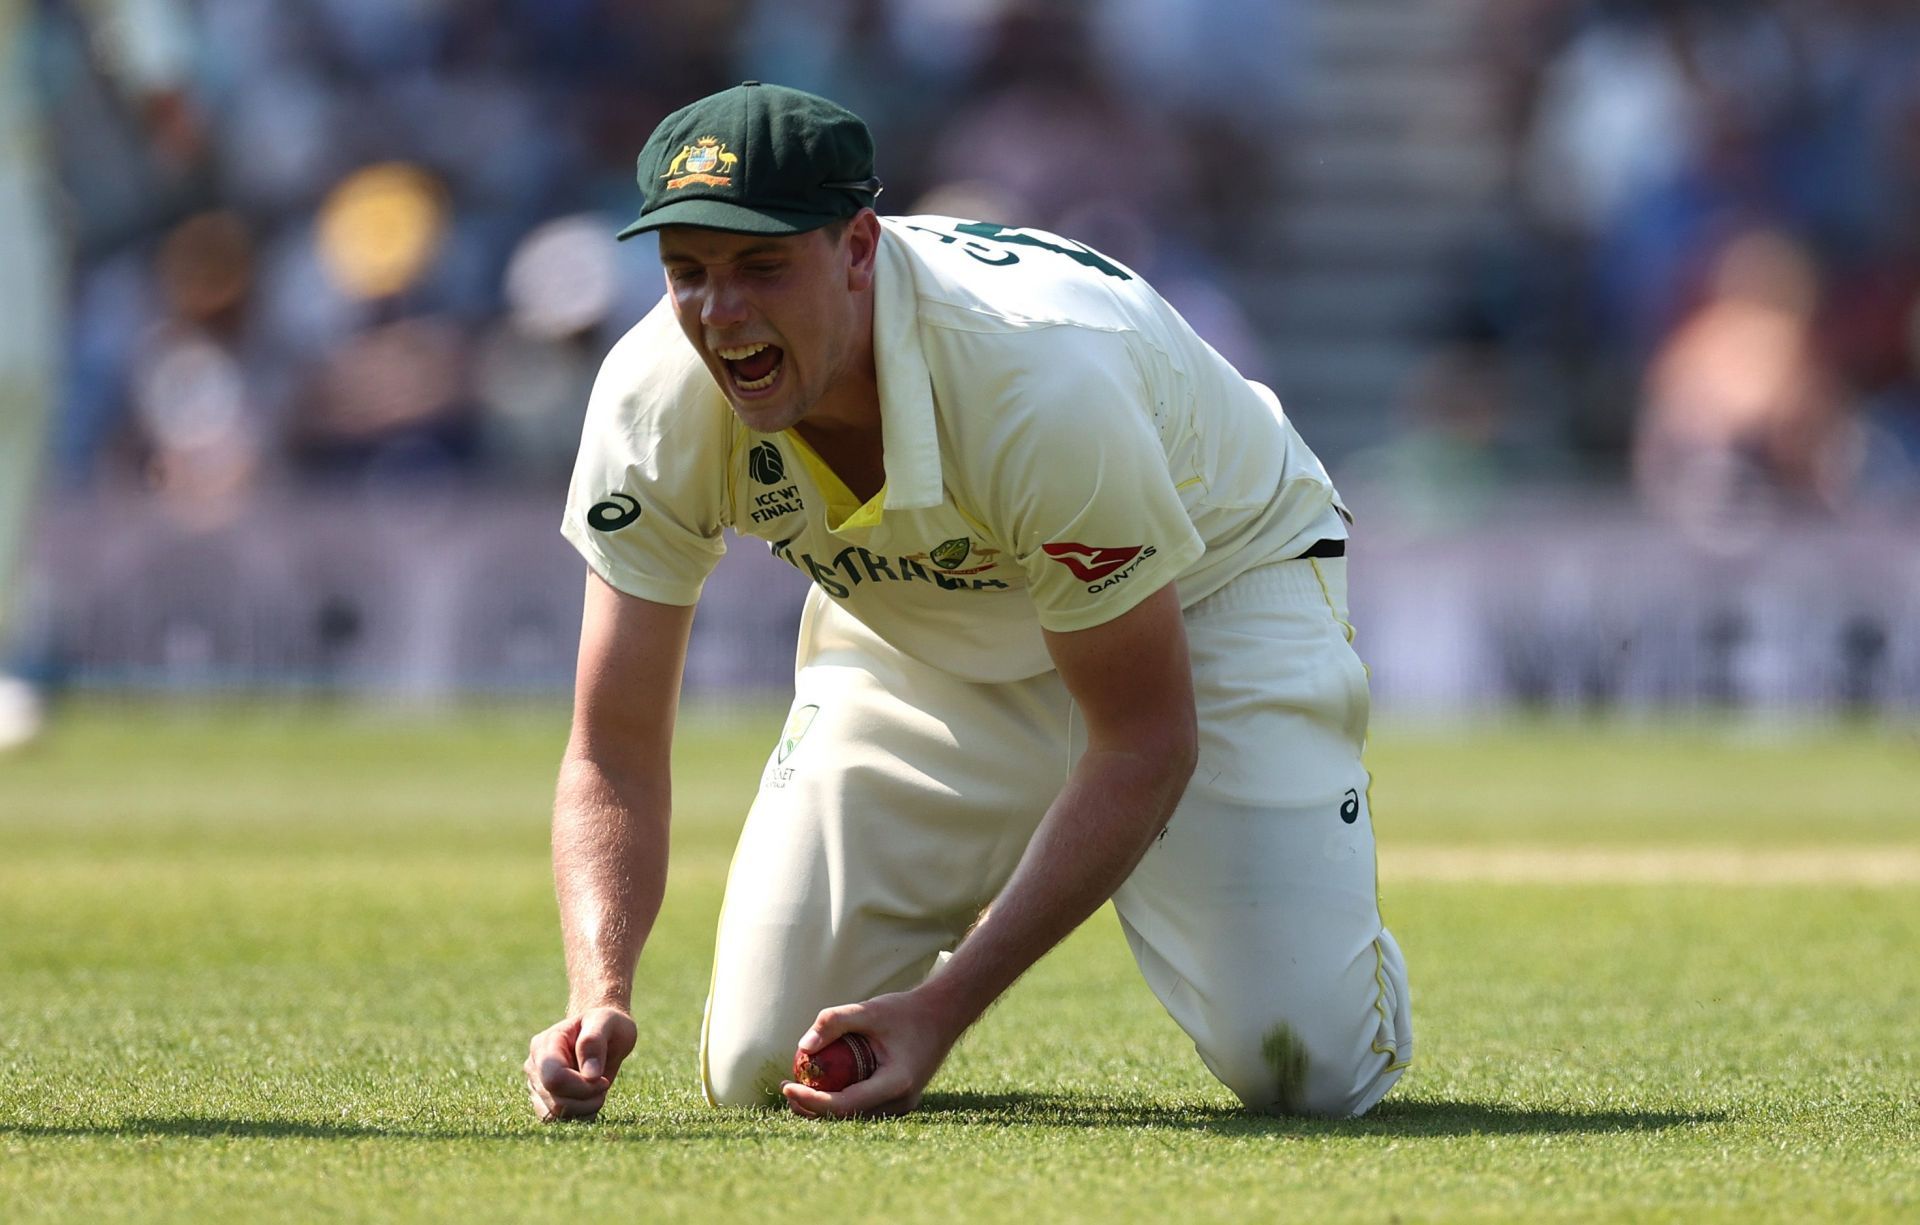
(1390, 1118)
(996, 1110)
(199, 1127)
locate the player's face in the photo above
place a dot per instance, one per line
(775, 318)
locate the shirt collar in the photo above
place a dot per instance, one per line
(909, 435)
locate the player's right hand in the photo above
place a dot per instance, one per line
(571, 1065)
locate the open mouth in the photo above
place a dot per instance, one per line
(753, 367)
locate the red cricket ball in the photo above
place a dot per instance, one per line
(836, 1065)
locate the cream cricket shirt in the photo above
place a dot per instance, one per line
(1059, 445)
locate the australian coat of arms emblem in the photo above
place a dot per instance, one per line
(696, 163)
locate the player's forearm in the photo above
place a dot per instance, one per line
(609, 869)
(1095, 833)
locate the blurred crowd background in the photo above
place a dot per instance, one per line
(1660, 253)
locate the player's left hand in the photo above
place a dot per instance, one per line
(911, 1037)
(571, 1063)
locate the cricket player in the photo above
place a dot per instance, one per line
(1077, 632)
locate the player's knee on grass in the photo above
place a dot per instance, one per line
(1276, 1069)
(1292, 1035)
(1328, 1046)
(738, 1072)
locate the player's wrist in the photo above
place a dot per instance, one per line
(953, 999)
(616, 998)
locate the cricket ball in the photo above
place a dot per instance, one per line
(836, 1065)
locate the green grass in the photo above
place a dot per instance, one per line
(282, 963)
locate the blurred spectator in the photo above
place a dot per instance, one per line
(391, 396)
(380, 229)
(391, 403)
(1443, 468)
(1051, 133)
(1254, 51)
(537, 364)
(200, 423)
(1646, 137)
(1890, 467)
(1742, 415)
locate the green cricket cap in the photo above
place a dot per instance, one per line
(756, 159)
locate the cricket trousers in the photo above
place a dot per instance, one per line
(900, 799)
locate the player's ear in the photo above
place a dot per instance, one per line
(863, 248)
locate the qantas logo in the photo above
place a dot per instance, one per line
(1088, 563)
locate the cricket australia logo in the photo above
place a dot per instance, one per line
(695, 163)
(797, 724)
(952, 556)
(778, 771)
(952, 553)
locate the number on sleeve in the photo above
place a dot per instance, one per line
(1085, 256)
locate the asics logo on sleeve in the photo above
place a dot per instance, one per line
(1090, 563)
(613, 514)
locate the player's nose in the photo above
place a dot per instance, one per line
(724, 305)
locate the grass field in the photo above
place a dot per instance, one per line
(282, 963)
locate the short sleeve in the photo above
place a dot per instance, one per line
(648, 499)
(1081, 482)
